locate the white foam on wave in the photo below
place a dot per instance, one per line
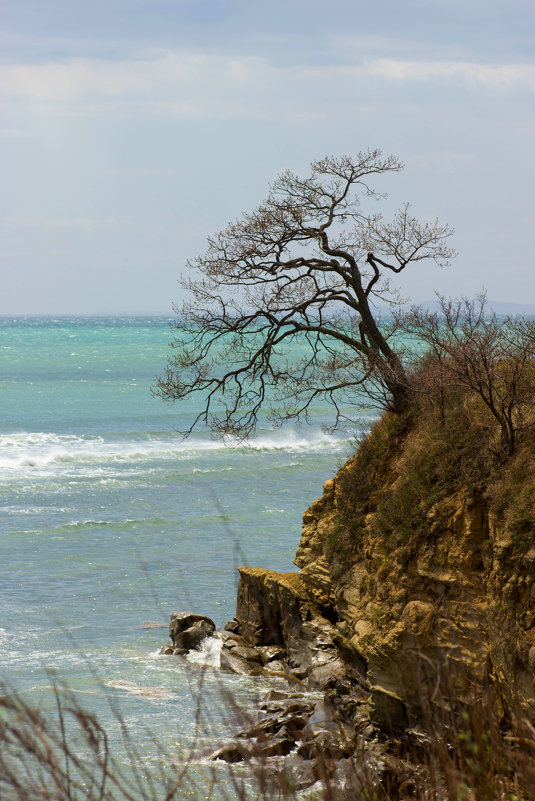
(139, 691)
(211, 470)
(34, 510)
(46, 451)
(290, 441)
(209, 654)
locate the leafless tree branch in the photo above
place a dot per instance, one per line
(298, 275)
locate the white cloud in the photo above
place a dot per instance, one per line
(197, 85)
(495, 75)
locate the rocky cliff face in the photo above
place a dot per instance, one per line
(459, 599)
(401, 598)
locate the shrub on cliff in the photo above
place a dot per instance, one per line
(471, 351)
(470, 428)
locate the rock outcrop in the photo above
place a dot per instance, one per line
(274, 610)
(415, 595)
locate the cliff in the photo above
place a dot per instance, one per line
(416, 571)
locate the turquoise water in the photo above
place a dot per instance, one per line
(109, 520)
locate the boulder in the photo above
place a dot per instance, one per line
(181, 621)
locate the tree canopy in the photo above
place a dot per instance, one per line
(306, 268)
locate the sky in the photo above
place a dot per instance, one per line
(131, 130)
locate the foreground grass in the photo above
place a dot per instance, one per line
(471, 754)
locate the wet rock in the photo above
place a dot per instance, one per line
(293, 726)
(192, 637)
(188, 630)
(238, 657)
(180, 621)
(268, 604)
(275, 695)
(238, 752)
(322, 674)
(277, 668)
(244, 652)
(228, 636)
(277, 618)
(270, 653)
(233, 663)
(279, 747)
(296, 774)
(358, 775)
(230, 752)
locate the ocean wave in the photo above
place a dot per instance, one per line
(34, 510)
(77, 526)
(44, 450)
(209, 653)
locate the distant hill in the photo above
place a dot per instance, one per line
(527, 309)
(499, 307)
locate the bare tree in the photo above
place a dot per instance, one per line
(305, 268)
(493, 358)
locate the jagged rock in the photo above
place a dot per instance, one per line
(278, 747)
(276, 616)
(268, 605)
(317, 579)
(230, 752)
(297, 774)
(233, 663)
(244, 652)
(389, 711)
(460, 600)
(238, 657)
(275, 695)
(316, 522)
(258, 749)
(192, 637)
(320, 675)
(377, 612)
(269, 653)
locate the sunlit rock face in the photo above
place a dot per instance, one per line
(454, 605)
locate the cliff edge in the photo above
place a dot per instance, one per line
(416, 573)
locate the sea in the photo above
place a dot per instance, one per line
(110, 521)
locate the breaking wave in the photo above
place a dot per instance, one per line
(35, 451)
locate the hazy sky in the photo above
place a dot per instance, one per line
(132, 129)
